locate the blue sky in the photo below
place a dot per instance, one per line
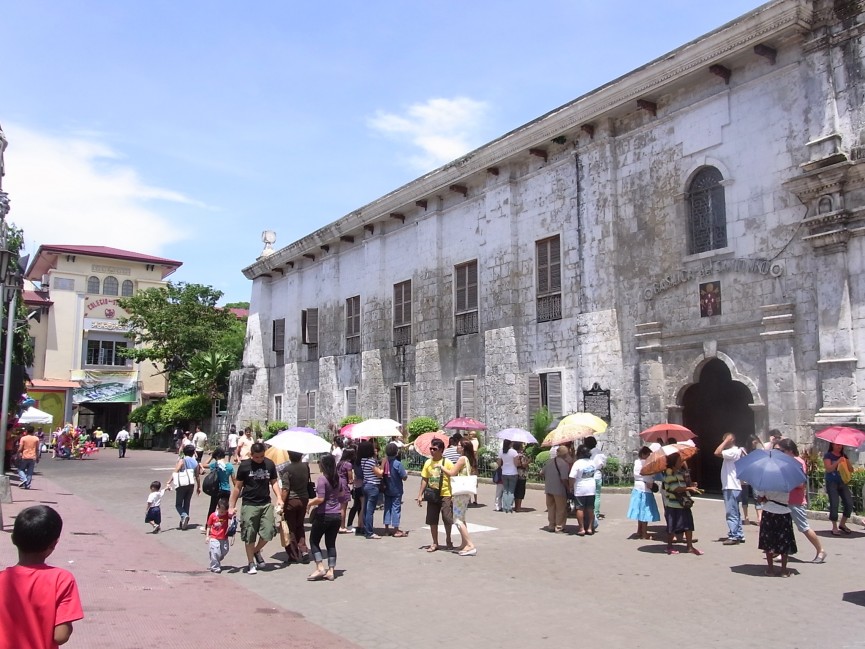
(185, 129)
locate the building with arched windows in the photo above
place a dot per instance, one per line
(78, 374)
(682, 244)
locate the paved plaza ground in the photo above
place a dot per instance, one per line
(525, 587)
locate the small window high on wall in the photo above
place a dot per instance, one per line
(93, 284)
(707, 212)
(109, 286)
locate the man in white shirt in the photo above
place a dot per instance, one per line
(731, 487)
(244, 445)
(122, 440)
(199, 440)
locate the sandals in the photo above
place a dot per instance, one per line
(318, 575)
(836, 533)
(820, 558)
(432, 548)
(399, 534)
(845, 529)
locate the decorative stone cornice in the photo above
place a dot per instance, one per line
(775, 20)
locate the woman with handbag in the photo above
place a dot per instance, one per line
(643, 507)
(556, 472)
(678, 515)
(186, 479)
(466, 466)
(837, 463)
(296, 482)
(324, 511)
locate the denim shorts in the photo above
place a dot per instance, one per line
(800, 518)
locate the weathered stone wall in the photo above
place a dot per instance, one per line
(792, 324)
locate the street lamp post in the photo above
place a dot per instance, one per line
(5, 258)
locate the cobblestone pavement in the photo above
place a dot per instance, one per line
(525, 587)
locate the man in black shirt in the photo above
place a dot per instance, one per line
(256, 478)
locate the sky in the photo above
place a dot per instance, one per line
(186, 129)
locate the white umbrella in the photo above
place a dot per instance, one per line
(517, 435)
(376, 428)
(35, 416)
(299, 442)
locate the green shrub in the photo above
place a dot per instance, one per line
(351, 419)
(542, 457)
(273, 428)
(819, 502)
(420, 425)
(139, 415)
(540, 422)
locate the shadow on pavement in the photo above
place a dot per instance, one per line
(759, 570)
(854, 597)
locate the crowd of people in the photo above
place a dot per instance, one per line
(360, 478)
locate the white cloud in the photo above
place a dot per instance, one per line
(76, 189)
(443, 129)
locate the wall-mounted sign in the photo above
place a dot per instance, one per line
(102, 307)
(597, 402)
(711, 269)
(105, 387)
(100, 324)
(110, 270)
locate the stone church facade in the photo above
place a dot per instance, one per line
(688, 237)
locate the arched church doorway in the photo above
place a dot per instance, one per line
(712, 407)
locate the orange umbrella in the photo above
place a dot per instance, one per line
(657, 461)
(423, 441)
(665, 432)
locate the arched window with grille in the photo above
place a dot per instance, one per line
(126, 288)
(707, 213)
(93, 284)
(109, 286)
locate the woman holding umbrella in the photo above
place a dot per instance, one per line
(837, 489)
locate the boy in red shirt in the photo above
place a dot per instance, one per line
(217, 535)
(40, 602)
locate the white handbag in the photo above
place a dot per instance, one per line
(184, 478)
(464, 485)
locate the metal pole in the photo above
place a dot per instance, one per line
(7, 372)
(7, 379)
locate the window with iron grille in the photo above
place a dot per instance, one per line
(549, 287)
(109, 286)
(93, 285)
(126, 288)
(466, 398)
(309, 326)
(466, 298)
(350, 401)
(306, 409)
(277, 407)
(279, 340)
(707, 212)
(105, 352)
(399, 404)
(352, 325)
(402, 314)
(545, 390)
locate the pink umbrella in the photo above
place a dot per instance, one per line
(345, 431)
(665, 432)
(842, 435)
(466, 423)
(423, 441)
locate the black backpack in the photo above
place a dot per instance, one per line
(210, 485)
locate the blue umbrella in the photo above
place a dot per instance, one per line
(770, 471)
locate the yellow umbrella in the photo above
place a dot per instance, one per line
(574, 427)
(277, 456)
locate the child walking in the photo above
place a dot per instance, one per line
(643, 507)
(40, 601)
(154, 502)
(217, 535)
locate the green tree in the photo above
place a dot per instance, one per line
(169, 325)
(207, 375)
(237, 305)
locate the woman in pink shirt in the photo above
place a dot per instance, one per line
(798, 499)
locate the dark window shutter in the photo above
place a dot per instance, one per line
(534, 395)
(554, 394)
(555, 265)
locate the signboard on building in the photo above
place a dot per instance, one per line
(105, 387)
(105, 308)
(103, 324)
(597, 402)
